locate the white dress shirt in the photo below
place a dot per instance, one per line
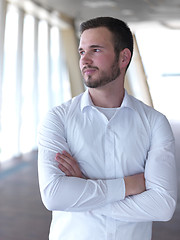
(135, 139)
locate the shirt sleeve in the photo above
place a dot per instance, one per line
(158, 202)
(63, 193)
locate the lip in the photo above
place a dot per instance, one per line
(88, 71)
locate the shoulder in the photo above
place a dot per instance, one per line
(144, 109)
(156, 120)
(63, 109)
(55, 118)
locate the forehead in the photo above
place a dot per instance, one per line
(96, 36)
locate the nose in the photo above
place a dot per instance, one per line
(86, 59)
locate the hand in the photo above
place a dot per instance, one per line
(68, 165)
(135, 184)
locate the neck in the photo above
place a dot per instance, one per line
(107, 96)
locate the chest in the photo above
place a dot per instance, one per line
(108, 149)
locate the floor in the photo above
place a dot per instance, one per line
(23, 217)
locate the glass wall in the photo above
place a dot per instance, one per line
(160, 51)
(34, 79)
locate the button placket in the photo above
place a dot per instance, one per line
(109, 152)
(110, 228)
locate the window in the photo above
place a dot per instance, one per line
(28, 114)
(35, 77)
(160, 50)
(60, 89)
(9, 88)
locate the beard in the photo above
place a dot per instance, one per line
(104, 77)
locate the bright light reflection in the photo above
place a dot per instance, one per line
(9, 134)
(160, 51)
(27, 136)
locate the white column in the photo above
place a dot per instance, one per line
(49, 90)
(136, 78)
(3, 7)
(19, 76)
(35, 87)
(69, 42)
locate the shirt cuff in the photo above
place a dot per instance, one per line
(115, 190)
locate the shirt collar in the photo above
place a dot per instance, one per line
(86, 100)
(126, 103)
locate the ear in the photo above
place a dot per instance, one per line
(125, 56)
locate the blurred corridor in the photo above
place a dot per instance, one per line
(39, 69)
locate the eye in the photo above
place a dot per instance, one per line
(81, 52)
(96, 50)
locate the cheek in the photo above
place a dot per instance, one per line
(105, 62)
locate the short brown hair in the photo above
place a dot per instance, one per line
(122, 35)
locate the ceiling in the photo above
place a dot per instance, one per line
(130, 11)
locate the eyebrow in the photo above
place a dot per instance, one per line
(92, 46)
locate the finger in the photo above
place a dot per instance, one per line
(73, 163)
(67, 157)
(69, 160)
(67, 154)
(64, 161)
(69, 163)
(64, 170)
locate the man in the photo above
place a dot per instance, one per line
(106, 160)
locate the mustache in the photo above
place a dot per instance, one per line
(89, 67)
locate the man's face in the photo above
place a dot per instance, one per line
(98, 62)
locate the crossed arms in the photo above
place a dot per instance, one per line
(64, 188)
(134, 184)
